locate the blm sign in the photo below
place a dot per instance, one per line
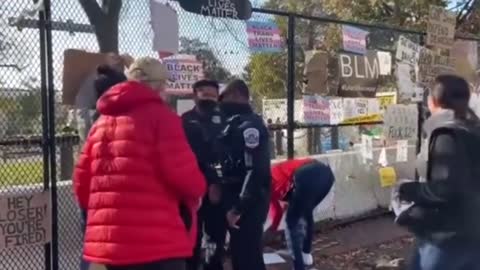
(231, 9)
(25, 220)
(359, 74)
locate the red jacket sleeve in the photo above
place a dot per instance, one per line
(176, 162)
(82, 175)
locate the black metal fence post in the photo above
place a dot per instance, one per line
(291, 85)
(51, 133)
(45, 112)
(420, 119)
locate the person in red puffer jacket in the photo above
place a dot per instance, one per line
(138, 178)
(301, 185)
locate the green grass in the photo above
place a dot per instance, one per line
(21, 173)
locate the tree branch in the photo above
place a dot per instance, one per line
(93, 11)
(468, 8)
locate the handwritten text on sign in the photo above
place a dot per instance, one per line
(407, 51)
(183, 74)
(316, 110)
(400, 122)
(24, 220)
(264, 37)
(441, 28)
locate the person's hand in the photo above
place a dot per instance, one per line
(214, 193)
(232, 219)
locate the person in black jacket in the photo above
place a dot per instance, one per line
(446, 202)
(202, 125)
(247, 178)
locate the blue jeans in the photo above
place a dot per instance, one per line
(453, 255)
(313, 182)
(84, 265)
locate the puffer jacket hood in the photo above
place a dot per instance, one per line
(125, 96)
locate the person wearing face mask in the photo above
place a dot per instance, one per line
(247, 177)
(138, 178)
(203, 125)
(443, 206)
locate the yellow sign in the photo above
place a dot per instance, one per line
(386, 99)
(388, 176)
(364, 119)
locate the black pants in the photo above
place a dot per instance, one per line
(175, 264)
(246, 245)
(211, 218)
(313, 182)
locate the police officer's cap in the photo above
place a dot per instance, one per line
(203, 83)
(238, 86)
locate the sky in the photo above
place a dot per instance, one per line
(227, 38)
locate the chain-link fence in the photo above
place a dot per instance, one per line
(222, 47)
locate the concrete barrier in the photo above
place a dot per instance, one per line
(357, 190)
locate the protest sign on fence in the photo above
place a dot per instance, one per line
(386, 99)
(431, 64)
(25, 220)
(361, 110)
(407, 51)
(230, 9)
(354, 39)
(441, 27)
(276, 110)
(184, 71)
(316, 72)
(336, 111)
(385, 63)
(316, 110)
(264, 37)
(400, 122)
(165, 26)
(358, 74)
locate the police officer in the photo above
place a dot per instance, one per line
(247, 181)
(202, 125)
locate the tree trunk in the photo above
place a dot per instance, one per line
(107, 36)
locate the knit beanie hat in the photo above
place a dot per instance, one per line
(106, 78)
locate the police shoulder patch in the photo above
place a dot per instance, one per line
(251, 137)
(216, 119)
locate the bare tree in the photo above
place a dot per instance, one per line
(104, 16)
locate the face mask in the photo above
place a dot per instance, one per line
(206, 105)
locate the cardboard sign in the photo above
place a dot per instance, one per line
(25, 220)
(184, 70)
(407, 51)
(231, 9)
(316, 72)
(400, 122)
(78, 66)
(441, 28)
(386, 99)
(354, 39)
(465, 53)
(385, 63)
(264, 37)
(359, 74)
(316, 110)
(388, 176)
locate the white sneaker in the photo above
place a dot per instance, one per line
(307, 259)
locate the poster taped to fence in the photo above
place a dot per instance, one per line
(25, 220)
(465, 53)
(388, 177)
(386, 99)
(361, 110)
(336, 111)
(402, 151)
(407, 51)
(354, 39)
(441, 28)
(366, 147)
(431, 64)
(359, 74)
(264, 37)
(385, 63)
(275, 109)
(316, 110)
(400, 122)
(184, 71)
